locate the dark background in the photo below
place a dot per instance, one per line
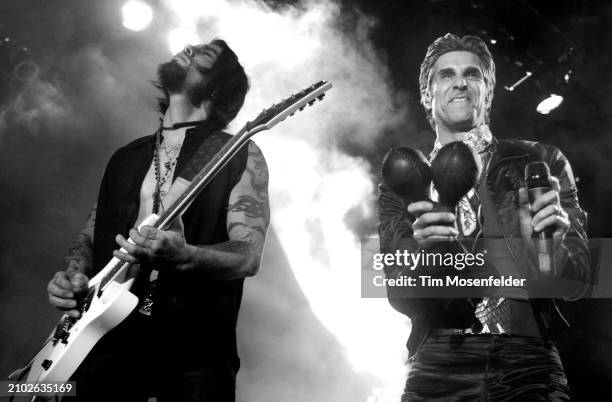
(49, 170)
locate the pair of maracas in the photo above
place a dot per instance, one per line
(454, 172)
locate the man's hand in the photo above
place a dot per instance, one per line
(163, 247)
(431, 227)
(547, 211)
(62, 289)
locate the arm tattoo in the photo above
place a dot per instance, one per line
(80, 254)
(258, 171)
(249, 208)
(248, 234)
(248, 216)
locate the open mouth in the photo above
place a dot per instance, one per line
(460, 99)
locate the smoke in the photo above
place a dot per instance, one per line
(91, 98)
(41, 102)
(317, 189)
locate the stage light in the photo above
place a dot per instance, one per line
(550, 103)
(137, 15)
(493, 41)
(519, 82)
(180, 37)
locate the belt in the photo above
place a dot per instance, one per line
(459, 331)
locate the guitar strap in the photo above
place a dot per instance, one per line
(206, 151)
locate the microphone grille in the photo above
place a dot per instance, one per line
(537, 174)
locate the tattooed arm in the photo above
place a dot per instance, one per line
(80, 255)
(248, 216)
(78, 265)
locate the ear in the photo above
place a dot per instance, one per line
(427, 100)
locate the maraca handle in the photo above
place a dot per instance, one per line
(443, 208)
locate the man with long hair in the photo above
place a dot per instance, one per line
(492, 347)
(180, 342)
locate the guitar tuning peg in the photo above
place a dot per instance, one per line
(302, 108)
(311, 102)
(320, 97)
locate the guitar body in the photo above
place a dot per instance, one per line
(59, 359)
(107, 302)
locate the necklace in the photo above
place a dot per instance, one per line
(172, 154)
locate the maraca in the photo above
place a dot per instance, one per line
(405, 171)
(454, 172)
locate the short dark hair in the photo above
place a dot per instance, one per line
(452, 43)
(227, 87)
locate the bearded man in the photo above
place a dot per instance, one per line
(179, 344)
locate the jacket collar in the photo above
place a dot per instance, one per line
(478, 139)
(505, 150)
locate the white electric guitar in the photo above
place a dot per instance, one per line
(108, 300)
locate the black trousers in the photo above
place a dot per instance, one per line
(210, 385)
(132, 363)
(486, 368)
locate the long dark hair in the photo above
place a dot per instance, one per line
(226, 87)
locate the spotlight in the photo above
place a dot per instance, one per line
(519, 82)
(137, 15)
(550, 103)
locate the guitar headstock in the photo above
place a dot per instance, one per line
(287, 107)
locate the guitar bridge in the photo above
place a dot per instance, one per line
(61, 330)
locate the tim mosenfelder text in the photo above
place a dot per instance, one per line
(458, 261)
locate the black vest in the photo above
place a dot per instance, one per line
(194, 320)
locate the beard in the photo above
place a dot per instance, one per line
(171, 76)
(200, 92)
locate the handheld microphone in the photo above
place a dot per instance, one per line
(406, 172)
(454, 171)
(536, 180)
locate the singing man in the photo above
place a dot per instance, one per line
(490, 347)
